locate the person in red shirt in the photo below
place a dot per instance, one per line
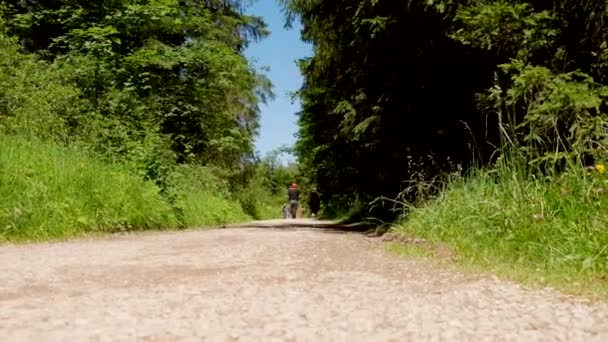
(293, 199)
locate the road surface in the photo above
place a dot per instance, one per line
(271, 282)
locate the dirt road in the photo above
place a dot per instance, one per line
(267, 284)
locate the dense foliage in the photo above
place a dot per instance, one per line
(159, 90)
(149, 74)
(402, 91)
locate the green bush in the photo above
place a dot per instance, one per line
(258, 201)
(51, 191)
(75, 162)
(34, 97)
(201, 198)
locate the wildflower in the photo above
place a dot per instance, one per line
(600, 168)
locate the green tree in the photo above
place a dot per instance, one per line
(400, 92)
(154, 68)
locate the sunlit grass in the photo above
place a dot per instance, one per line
(550, 231)
(48, 191)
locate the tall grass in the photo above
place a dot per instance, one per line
(203, 199)
(49, 191)
(552, 230)
(259, 200)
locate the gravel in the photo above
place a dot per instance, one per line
(271, 283)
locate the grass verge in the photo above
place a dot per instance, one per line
(549, 232)
(204, 199)
(49, 191)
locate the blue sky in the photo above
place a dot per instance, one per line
(279, 51)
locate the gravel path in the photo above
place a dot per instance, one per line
(267, 284)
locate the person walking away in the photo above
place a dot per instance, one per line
(293, 198)
(314, 202)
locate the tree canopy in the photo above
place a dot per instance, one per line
(403, 91)
(152, 69)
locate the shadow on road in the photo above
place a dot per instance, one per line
(328, 226)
